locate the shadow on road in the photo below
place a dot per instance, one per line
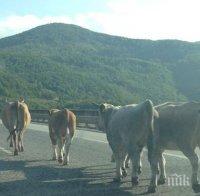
(51, 180)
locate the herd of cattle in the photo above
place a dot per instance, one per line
(172, 126)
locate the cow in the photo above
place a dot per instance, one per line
(127, 129)
(16, 118)
(62, 126)
(176, 128)
(103, 125)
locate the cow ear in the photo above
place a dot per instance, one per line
(49, 112)
(102, 107)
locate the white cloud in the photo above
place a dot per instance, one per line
(16, 24)
(148, 19)
(152, 19)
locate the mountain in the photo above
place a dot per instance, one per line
(69, 65)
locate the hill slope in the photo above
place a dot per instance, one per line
(78, 65)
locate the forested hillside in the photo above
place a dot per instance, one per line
(60, 64)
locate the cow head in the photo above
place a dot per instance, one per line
(105, 112)
(21, 100)
(51, 111)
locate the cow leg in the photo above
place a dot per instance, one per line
(118, 167)
(54, 152)
(66, 149)
(119, 155)
(123, 158)
(140, 162)
(127, 161)
(162, 162)
(20, 143)
(63, 148)
(135, 154)
(193, 158)
(154, 160)
(112, 158)
(59, 149)
(11, 142)
(54, 145)
(15, 139)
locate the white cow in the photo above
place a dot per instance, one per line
(127, 130)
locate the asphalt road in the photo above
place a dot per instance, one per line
(90, 171)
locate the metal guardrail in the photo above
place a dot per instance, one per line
(85, 118)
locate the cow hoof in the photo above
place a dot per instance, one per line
(65, 163)
(60, 160)
(151, 189)
(15, 152)
(135, 181)
(124, 172)
(196, 188)
(126, 165)
(161, 181)
(117, 179)
(21, 149)
(139, 170)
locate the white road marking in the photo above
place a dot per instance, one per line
(93, 140)
(4, 150)
(165, 153)
(57, 180)
(105, 142)
(175, 155)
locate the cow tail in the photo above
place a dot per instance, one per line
(66, 111)
(67, 117)
(149, 116)
(152, 122)
(71, 122)
(16, 129)
(149, 110)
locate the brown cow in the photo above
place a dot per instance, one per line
(62, 125)
(16, 118)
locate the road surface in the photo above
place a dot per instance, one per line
(90, 171)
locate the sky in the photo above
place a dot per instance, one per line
(139, 19)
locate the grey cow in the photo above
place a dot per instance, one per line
(106, 116)
(177, 128)
(128, 128)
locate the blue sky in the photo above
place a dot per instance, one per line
(49, 7)
(146, 19)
